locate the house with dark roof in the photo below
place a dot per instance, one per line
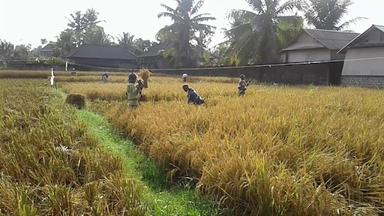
(102, 57)
(364, 59)
(48, 50)
(317, 45)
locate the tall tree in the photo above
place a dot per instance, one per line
(82, 29)
(289, 29)
(66, 42)
(126, 40)
(253, 34)
(188, 34)
(22, 52)
(43, 41)
(328, 14)
(95, 35)
(80, 23)
(6, 52)
(137, 46)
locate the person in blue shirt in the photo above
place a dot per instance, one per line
(192, 96)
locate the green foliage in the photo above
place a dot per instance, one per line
(255, 35)
(66, 41)
(83, 29)
(138, 46)
(22, 52)
(288, 31)
(6, 52)
(188, 35)
(327, 14)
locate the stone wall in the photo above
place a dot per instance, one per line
(363, 81)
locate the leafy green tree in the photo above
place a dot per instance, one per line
(6, 52)
(22, 52)
(254, 34)
(82, 29)
(328, 14)
(66, 42)
(142, 45)
(137, 46)
(95, 35)
(82, 23)
(188, 35)
(127, 40)
(43, 41)
(288, 30)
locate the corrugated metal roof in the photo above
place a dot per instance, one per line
(381, 28)
(333, 40)
(102, 52)
(356, 39)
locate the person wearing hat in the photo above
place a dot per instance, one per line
(134, 90)
(192, 96)
(242, 86)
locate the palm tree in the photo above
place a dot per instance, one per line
(327, 14)
(126, 40)
(253, 34)
(188, 34)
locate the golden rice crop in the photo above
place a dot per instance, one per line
(277, 151)
(145, 74)
(161, 89)
(50, 165)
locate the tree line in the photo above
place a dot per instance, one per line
(255, 36)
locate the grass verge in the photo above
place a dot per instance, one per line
(165, 199)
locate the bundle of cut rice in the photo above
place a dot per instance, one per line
(145, 74)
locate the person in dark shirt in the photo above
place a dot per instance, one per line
(192, 96)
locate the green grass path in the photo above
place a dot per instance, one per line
(163, 199)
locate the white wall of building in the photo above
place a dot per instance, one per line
(308, 55)
(364, 61)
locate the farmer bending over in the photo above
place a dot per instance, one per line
(193, 97)
(134, 90)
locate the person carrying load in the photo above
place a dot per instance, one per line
(134, 90)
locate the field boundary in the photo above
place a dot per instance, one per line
(164, 198)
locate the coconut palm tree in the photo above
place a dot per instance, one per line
(328, 14)
(253, 34)
(188, 34)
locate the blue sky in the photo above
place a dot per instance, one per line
(26, 21)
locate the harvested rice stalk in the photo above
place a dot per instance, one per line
(145, 74)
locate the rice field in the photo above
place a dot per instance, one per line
(278, 151)
(49, 163)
